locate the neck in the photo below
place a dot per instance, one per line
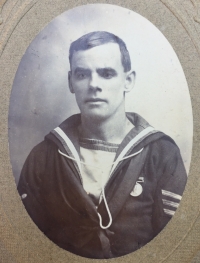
(112, 129)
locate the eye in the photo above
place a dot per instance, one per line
(80, 76)
(107, 73)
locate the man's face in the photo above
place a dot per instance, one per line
(98, 80)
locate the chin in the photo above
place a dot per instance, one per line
(95, 115)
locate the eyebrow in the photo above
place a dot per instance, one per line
(78, 69)
(98, 69)
(107, 69)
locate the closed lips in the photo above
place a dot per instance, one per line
(95, 100)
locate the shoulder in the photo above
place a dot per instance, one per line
(165, 154)
(42, 148)
(35, 165)
(164, 147)
(39, 155)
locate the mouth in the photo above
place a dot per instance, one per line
(95, 100)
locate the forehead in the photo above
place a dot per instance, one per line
(106, 55)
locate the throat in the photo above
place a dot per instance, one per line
(109, 131)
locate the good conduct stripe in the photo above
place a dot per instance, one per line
(169, 212)
(170, 194)
(170, 203)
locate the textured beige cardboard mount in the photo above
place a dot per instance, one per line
(20, 21)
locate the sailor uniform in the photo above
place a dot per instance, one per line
(143, 191)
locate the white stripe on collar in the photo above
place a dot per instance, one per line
(139, 136)
(70, 145)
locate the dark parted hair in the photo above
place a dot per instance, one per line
(98, 38)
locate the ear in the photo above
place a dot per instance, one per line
(130, 81)
(70, 81)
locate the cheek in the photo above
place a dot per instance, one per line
(79, 89)
(117, 88)
(79, 98)
(118, 83)
(80, 84)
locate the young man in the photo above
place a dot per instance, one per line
(104, 183)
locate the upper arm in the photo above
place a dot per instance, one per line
(170, 186)
(30, 182)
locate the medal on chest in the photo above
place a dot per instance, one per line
(138, 189)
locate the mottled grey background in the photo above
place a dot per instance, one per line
(40, 98)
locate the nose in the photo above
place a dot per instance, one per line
(94, 81)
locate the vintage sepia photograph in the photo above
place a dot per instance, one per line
(100, 131)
